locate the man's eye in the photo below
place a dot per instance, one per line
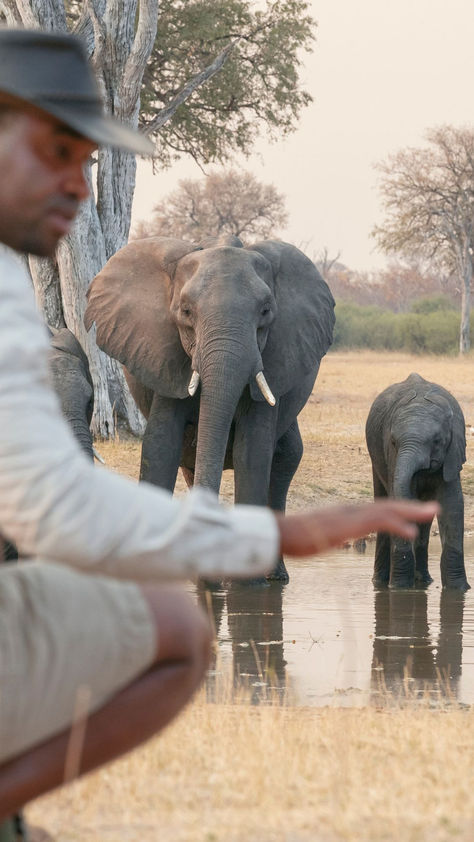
(62, 152)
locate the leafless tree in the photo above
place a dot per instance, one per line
(428, 197)
(228, 202)
(325, 263)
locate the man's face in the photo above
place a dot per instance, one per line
(42, 180)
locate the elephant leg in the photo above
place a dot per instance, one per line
(163, 441)
(286, 459)
(451, 530)
(422, 575)
(381, 575)
(252, 454)
(402, 564)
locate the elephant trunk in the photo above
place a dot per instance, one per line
(83, 436)
(223, 379)
(409, 461)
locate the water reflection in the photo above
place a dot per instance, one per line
(328, 638)
(255, 621)
(254, 617)
(408, 660)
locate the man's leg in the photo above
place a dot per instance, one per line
(130, 717)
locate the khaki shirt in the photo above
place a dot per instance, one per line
(55, 505)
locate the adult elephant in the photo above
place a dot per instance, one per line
(223, 335)
(416, 440)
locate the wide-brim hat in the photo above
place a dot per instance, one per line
(50, 71)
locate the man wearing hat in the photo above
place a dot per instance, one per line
(110, 638)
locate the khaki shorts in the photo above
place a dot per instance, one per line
(65, 637)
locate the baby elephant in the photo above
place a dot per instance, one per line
(416, 439)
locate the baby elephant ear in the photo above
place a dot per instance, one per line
(456, 455)
(456, 452)
(129, 301)
(302, 330)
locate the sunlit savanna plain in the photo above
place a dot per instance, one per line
(232, 772)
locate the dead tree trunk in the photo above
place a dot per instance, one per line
(466, 279)
(119, 37)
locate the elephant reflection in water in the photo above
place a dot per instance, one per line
(255, 624)
(406, 659)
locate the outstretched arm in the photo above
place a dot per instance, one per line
(316, 530)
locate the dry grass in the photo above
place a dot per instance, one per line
(227, 773)
(287, 774)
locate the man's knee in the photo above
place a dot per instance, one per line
(183, 632)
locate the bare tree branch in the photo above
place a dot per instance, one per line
(166, 113)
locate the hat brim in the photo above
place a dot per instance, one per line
(102, 129)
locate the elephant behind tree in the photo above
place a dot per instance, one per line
(72, 383)
(221, 346)
(416, 440)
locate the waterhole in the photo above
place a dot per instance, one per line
(329, 638)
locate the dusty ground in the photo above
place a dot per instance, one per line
(226, 773)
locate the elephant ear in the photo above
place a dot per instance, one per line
(129, 301)
(302, 330)
(456, 452)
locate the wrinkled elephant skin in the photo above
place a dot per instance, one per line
(221, 346)
(416, 439)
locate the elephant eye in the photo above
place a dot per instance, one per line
(265, 310)
(185, 310)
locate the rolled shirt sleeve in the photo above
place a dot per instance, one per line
(54, 504)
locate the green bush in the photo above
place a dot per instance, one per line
(433, 304)
(364, 327)
(431, 328)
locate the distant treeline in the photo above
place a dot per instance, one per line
(431, 326)
(395, 288)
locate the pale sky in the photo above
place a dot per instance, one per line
(382, 72)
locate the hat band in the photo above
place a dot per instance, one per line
(42, 100)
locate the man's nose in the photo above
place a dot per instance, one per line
(75, 182)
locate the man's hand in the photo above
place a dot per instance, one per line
(316, 530)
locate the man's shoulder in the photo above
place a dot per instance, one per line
(9, 257)
(13, 271)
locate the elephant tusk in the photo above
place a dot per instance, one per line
(98, 456)
(193, 383)
(265, 388)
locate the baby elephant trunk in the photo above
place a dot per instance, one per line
(402, 563)
(409, 461)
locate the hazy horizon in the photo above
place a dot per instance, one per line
(381, 74)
